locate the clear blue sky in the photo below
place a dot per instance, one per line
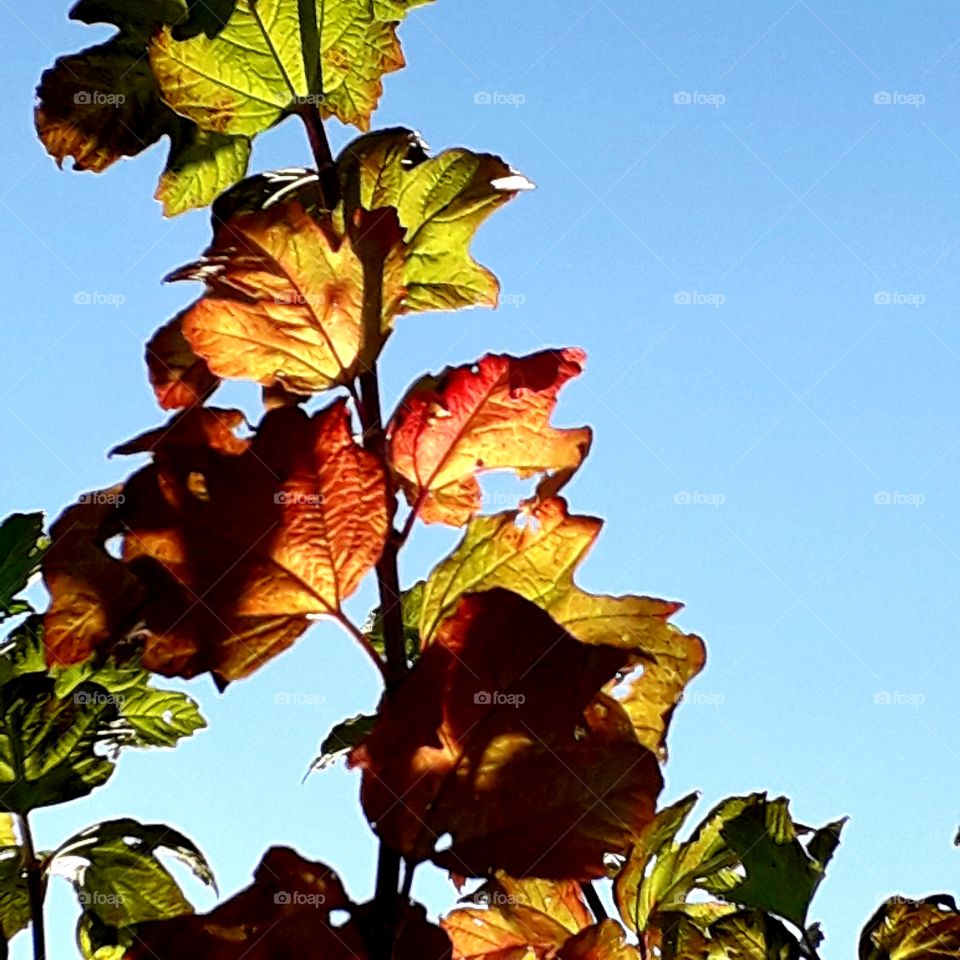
(766, 279)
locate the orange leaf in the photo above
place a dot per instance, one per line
(229, 545)
(492, 415)
(178, 376)
(284, 301)
(284, 913)
(501, 737)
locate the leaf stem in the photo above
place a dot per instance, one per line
(309, 113)
(368, 647)
(35, 890)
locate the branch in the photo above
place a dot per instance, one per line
(35, 890)
(593, 901)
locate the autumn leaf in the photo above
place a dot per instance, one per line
(745, 935)
(284, 302)
(284, 913)
(103, 103)
(440, 203)
(519, 919)
(499, 751)
(489, 416)
(178, 376)
(535, 552)
(273, 56)
(229, 546)
(605, 941)
(905, 929)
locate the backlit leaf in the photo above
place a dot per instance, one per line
(117, 875)
(21, 547)
(284, 913)
(283, 302)
(275, 55)
(440, 203)
(492, 415)
(535, 552)
(14, 895)
(178, 376)
(346, 735)
(229, 546)
(744, 935)
(905, 929)
(501, 738)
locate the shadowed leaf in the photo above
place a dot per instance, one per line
(500, 738)
(905, 929)
(21, 548)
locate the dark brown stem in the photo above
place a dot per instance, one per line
(323, 157)
(593, 901)
(35, 890)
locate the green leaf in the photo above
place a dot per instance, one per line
(440, 203)
(410, 602)
(902, 929)
(745, 935)
(97, 940)
(60, 730)
(342, 738)
(201, 165)
(21, 547)
(14, 896)
(782, 874)
(118, 877)
(273, 56)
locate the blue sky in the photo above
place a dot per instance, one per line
(748, 214)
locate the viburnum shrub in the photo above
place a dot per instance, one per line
(519, 739)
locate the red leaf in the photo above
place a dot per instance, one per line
(500, 737)
(489, 416)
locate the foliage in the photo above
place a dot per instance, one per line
(523, 725)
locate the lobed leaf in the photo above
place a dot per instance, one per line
(492, 415)
(440, 203)
(500, 737)
(178, 376)
(905, 929)
(535, 552)
(229, 546)
(284, 302)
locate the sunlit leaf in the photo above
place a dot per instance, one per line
(500, 738)
(21, 547)
(605, 941)
(346, 735)
(117, 875)
(178, 376)
(283, 302)
(229, 546)
(905, 929)
(535, 552)
(14, 895)
(284, 913)
(492, 415)
(744, 935)
(272, 56)
(440, 203)
(201, 165)
(410, 604)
